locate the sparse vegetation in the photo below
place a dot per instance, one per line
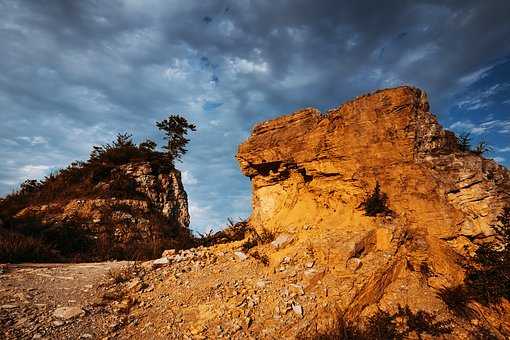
(15, 247)
(487, 279)
(377, 203)
(464, 143)
(235, 231)
(257, 239)
(481, 148)
(383, 326)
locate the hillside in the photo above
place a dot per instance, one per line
(369, 222)
(126, 202)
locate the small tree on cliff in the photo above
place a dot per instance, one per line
(175, 128)
(464, 141)
(376, 203)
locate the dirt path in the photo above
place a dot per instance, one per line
(53, 301)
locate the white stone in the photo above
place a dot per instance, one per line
(261, 283)
(240, 255)
(354, 264)
(67, 313)
(281, 241)
(296, 308)
(162, 261)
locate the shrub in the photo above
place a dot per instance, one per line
(261, 258)
(481, 148)
(487, 279)
(376, 203)
(257, 239)
(382, 326)
(464, 141)
(235, 231)
(125, 273)
(464, 144)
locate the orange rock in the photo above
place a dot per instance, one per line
(309, 168)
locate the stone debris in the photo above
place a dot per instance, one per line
(297, 308)
(354, 264)
(161, 262)
(262, 283)
(67, 313)
(168, 253)
(297, 289)
(240, 255)
(282, 240)
(8, 306)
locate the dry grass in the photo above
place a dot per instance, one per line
(125, 273)
(15, 247)
(382, 326)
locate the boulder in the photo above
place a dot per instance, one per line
(240, 255)
(67, 313)
(161, 261)
(281, 241)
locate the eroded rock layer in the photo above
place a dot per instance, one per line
(311, 173)
(309, 168)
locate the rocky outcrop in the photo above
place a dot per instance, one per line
(163, 189)
(134, 211)
(310, 168)
(312, 171)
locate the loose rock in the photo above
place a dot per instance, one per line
(240, 255)
(67, 313)
(281, 241)
(161, 262)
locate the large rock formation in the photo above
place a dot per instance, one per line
(310, 168)
(312, 171)
(132, 210)
(317, 262)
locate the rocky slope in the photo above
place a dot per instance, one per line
(315, 264)
(316, 261)
(132, 210)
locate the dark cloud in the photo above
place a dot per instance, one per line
(74, 73)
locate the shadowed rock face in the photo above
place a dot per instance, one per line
(309, 168)
(136, 211)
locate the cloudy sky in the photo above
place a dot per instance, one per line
(75, 73)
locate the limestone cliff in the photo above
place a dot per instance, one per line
(311, 172)
(310, 168)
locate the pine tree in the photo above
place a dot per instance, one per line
(175, 128)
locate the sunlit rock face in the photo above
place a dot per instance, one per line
(313, 168)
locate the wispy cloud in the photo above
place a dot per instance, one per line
(480, 99)
(499, 126)
(188, 178)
